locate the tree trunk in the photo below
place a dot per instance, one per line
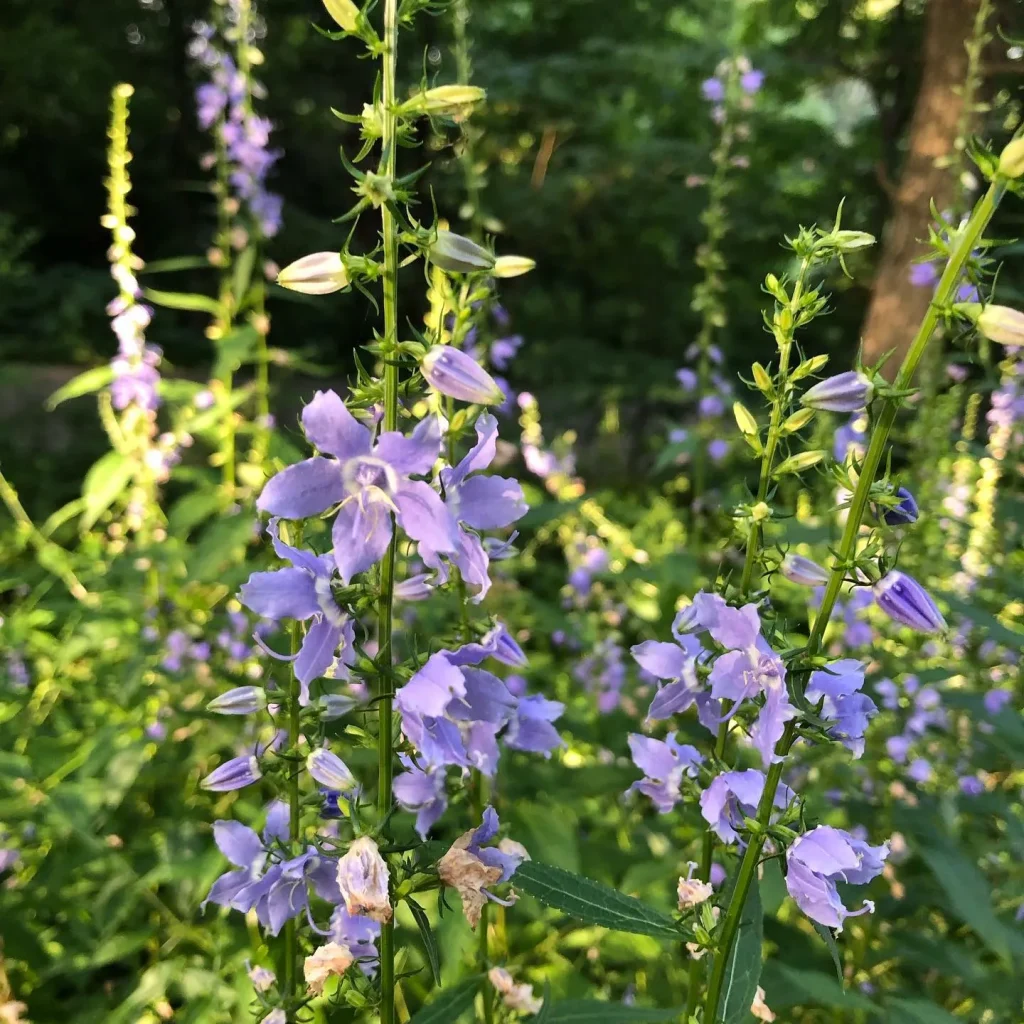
(897, 306)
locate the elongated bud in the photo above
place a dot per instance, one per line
(458, 375)
(804, 571)
(319, 273)
(744, 418)
(797, 421)
(905, 601)
(344, 13)
(334, 705)
(762, 379)
(458, 254)
(799, 462)
(329, 770)
(234, 774)
(513, 266)
(1011, 160)
(1001, 324)
(848, 241)
(363, 881)
(903, 514)
(809, 367)
(242, 700)
(443, 99)
(415, 588)
(845, 392)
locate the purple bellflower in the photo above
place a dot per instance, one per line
(302, 592)
(905, 601)
(368, 481)
(731, 797)
(423, 792)
(839, 685)
(845, 392)
(821, 858)
(664, 763)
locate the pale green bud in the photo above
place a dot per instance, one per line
(1011, 160)
(799, 462)
(798, 421)
(1001, 324)
(319, 273)
(444, 99)
(513, 266)
(458, 254)
(762, 378)
(809, 366)
(848, 241)
(344, 13)
(744, 419)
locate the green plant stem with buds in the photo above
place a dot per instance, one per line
(291, 935)
(385, 656)
(968, 239)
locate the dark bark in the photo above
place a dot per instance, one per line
(897, 306)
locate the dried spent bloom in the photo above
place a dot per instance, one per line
(759, 1009)
(516, 997)
(363, 880)
(319, 273)
(330, 960)
(905, 601)
(457, 374)
(691, 892)
(845, 392)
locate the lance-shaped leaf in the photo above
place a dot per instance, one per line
(592, 1011)
(743, 967)
(450, 1004)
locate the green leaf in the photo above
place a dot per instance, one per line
(743, 968)
(451, 1004)
(427, 935)
(174, 263)
(242, 273)
(969, 895)
(106, 479)
(188, 512)
(191, 301)
(830, 940)
(233, 350)
(593, 1011)
(787, 986)
(919, 1011)
(592, 902)
(86, 383)
(220, 547)
(990, 626)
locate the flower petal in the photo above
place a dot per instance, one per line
(303, 490)
(424, 517)
(481, 455)
(361, 535)
(281, 594)
(316, 655)
(238, 843)
(663, 660)
(490, 502)
(333, 429)
(416, 454)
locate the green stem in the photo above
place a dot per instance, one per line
(385, 658)
(965, 244)
(291, 935)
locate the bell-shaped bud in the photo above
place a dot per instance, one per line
(458, 254)
(234, 774)
(804, 571)
(845, 392)
(902, 514)
(344, 13)
(457, 374)
(363, 881)
(334, 705)
(319, 273)
(443, 99)
(329, 770)
(1001, 324)
(415, 588)
(242, 700)
(905, 601)
(1011, 160)
(513, 266)
(848, 241)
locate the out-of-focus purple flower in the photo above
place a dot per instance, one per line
(713, 90)
(838, 685)
(367, 481)
(530, 728)
(889, 692)
(996, 700)
(718, 449)
(8, 858)
(687, 378)
(234, 774)
(303, 592)
(849, 437)
(971, 785)
(731, 797)
(718, 874)
(920, 770)
(924, 275)
(710, 406)
(503, 350)
(845, 392)
(905, 601)
(664, 763)
(898, 748)
(359, 934)
(751, 81)
(821, 858)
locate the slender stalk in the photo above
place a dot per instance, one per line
(968, 239)
(385, 657)
(291, 935)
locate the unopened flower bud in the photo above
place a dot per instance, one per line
(457, 374)
(415, 588)
(845, 392)
(458, 254)
(1011, 160)
(513, 266)
(443, 99)
(1001, 324)
(319, 273)
(329, 770)
(363, 881)
(804, 571)
(904, 513)
(334, 705)
(234, 774)
(848, 241)
(799, 462)
(344, 13)
(242, 700)
(692, 892)
(905, 601)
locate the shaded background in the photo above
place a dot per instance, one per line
(594, 123)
